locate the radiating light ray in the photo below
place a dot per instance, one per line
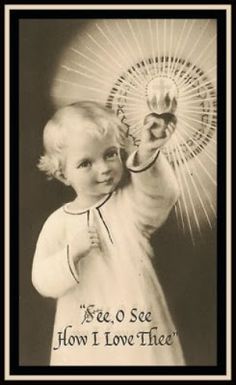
(86, 75)
(127, 108)
(131, 88)
(105, 51)
(182, 190)
(164, 42)
(198, 110)
(139, 47)
(131, 117)
(135, 114)
(209, 140)
(184, 79)
(213, 79)
(133, 94)
(67, 98)
(192, 67)
(193, 47)
(196, 174)
(137, 99)
(194, 89)
(191, 101)
(204, 137)
(152, 45)
(206, 87)
(176, 214)
(177, 50)
(183, 48)
(203, 167)
(101, 58)
(212, 40)
(133, 78)
(195, 187)
(92, 61)
(184, 117)
(137, 108)
(186, 89)
(194, 101)
(209, 199)
(78, 85)
(179, 206)
(136, 103)
(130, 50)
(186, 185)
(137, 127)
(89, 69)
(158, 47)
(104, 80)
(194, 130)
(178, 203)
(118, 42)
(141, 36)
(170, 46)
(110, 42)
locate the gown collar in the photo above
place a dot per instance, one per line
(97, 205)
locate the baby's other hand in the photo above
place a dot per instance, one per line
(83, 242)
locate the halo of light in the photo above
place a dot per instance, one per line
(122, 62)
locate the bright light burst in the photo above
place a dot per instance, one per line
(119, 62)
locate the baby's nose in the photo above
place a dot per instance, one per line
(103, 167)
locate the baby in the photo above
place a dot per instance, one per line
(94, 254)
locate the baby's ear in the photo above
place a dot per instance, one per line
(61, 177)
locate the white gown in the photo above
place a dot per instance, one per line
(118, 279)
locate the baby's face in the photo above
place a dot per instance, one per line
(92, 165)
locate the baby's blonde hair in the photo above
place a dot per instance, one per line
(91, 117)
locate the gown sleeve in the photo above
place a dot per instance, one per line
(153, 191)
(53, 271)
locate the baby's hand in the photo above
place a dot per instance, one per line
(83, 242)
(155, 134)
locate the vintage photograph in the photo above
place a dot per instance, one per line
(121, 168)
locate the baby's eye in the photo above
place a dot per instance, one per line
(86, 163)
(111, 154)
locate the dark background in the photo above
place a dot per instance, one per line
(187, 272)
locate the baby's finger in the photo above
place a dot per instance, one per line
(169, 131)
(94, 238)
(92, 230)
(95, 243)
(171, 127)
(148, 124)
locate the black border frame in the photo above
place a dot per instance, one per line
(15, 369)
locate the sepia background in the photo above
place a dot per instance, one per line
(187, 271)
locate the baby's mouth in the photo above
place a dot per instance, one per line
(106, 181)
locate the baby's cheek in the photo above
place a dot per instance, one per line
(119, 171)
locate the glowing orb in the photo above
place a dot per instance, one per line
(161, 94)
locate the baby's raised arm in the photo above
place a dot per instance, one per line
(154, 188)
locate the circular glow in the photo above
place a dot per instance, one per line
(136, 67)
